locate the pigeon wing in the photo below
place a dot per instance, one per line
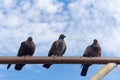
(52, 49)
(21, 49)
(87, 52)
(64, 50)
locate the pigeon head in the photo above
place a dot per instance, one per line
(29, 39)
(95, 41)
(62, 36)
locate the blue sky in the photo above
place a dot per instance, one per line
(80, 20)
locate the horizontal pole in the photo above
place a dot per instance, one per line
(58, 60)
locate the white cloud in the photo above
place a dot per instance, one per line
(13, 21)
(81, 22)
(51, 6)
(7, 3)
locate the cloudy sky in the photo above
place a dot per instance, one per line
(80, 20)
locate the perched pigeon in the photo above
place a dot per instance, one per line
(58, 48)
(27, 48)
(93, 50)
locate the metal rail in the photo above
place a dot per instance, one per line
(58, 60)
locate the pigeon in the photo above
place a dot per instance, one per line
(58, 48)
(27, 48)
(93, 50)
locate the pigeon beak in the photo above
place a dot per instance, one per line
(64, 36)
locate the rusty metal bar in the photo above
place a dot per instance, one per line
(104, 71)
(58, 60)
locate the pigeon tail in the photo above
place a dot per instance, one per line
(19, 67)
(8, 66)
(84, 70)
(47, 66)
